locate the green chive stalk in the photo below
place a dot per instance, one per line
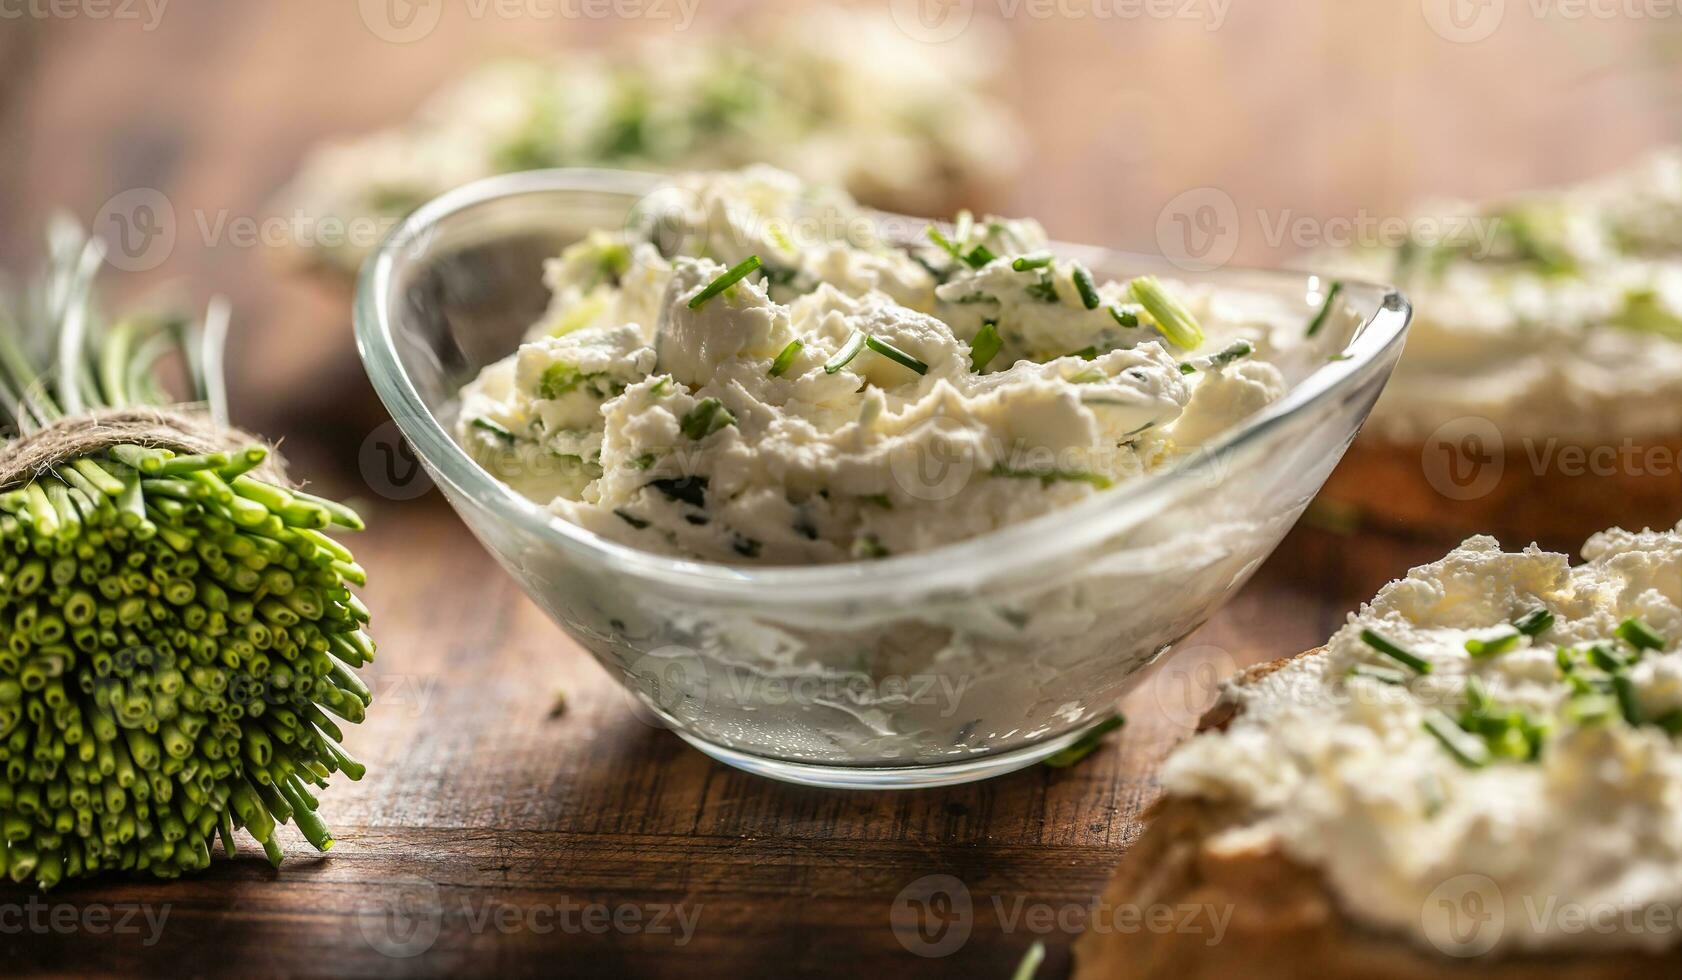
(178, 636)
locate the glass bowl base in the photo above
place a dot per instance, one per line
(889, 777)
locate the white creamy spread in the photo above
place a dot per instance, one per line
(840, 97)
(1556, 314)
(1565, 792)
(849, 397)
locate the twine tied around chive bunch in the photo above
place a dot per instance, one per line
(178, 429)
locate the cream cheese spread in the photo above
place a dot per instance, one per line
(1556, 314)
(897, 122)
(1496, 722)
(750, 372)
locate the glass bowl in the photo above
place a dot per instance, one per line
(934, 667)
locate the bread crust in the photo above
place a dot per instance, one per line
(1285, 923)
(1394, 487)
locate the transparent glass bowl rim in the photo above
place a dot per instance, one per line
(956, 566)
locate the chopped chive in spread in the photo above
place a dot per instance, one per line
(1325, 313)
(1492, 647)
(896, 355)
(950, 247)
(1605, 659)
(1172, 319)
(1124, 318)
(1031, 961)
(1461, 744)
(779, 276)
(708, 416)
(734, 275)
(1534, 622)
(785, 359)
(1087, 289)
(1406, 254)
(986, 345)
(1591, 708)
(1629, 701)
(1027, 262)
(979, 256)
(1234, 351)
(560, 379)
(486, 425)
(690, 490)
(661, 388)
(1186, 368)
(631, 519)
(845, 355)
(868, 546)
(1639, 635)
(1087, 353)
(1477, 696)
(1376, 672)
(1048, 477)
(1411, 661)
(1045, 290)
(644, 461)
(1086, 744)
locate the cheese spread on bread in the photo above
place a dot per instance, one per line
(1496, 714)
(1553, 314)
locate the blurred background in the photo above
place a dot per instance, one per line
(1133, 116)
(1250, 131)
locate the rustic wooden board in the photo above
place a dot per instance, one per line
(485, 826)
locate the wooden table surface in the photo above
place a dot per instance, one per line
(489, 836)
(485, 827)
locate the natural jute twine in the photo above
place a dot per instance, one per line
(181, 430)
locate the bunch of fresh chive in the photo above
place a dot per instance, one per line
(178, 638)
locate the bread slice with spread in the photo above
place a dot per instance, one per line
(1480, 774)
(1541, 389)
